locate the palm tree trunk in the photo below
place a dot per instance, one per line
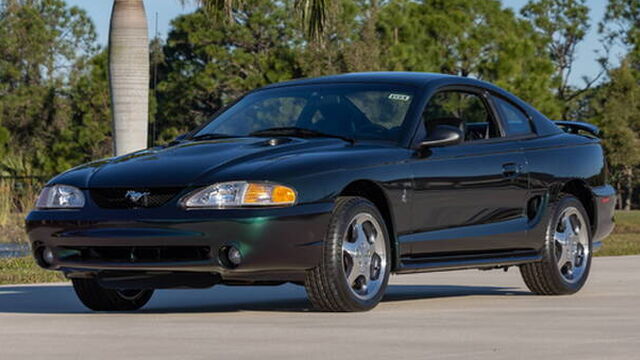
(628, 173)
(129, 75)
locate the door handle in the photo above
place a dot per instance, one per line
(510, 169)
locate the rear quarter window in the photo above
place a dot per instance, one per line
(515, 121)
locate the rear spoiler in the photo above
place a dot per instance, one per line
(576, 127)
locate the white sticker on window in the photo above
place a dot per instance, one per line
(399, 97)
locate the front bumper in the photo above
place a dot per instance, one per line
(272, 241)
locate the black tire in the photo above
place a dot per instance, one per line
(97, 298)
(326, 284)
(545, 278)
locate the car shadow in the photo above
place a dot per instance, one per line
(60, 299)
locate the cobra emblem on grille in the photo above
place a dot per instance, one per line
(136, 196)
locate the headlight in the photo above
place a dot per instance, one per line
(60, 197)
(240, 193)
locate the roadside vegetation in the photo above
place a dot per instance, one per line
(24, 270)
(625, 239)
(16, 198)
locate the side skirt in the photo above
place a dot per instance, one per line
(445, 262)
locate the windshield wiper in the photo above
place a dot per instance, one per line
(298, 132)
(210, 136)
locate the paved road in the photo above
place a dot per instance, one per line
(456, 315)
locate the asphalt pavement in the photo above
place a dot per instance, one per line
(452, 315)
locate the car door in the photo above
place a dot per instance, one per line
(518, 124)
(471, 196)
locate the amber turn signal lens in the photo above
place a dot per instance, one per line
(283, 195)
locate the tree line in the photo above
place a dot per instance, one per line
(54, 94)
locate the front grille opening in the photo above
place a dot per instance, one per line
(132, 198)
(135, 254)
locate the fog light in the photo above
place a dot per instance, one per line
(47, 256)
(234, 256)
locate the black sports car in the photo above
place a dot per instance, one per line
(334, 183)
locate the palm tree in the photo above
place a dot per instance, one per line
(129, 62)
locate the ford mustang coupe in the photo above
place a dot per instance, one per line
(333, 183)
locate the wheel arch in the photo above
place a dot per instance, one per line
(582, 191)
(373, 192)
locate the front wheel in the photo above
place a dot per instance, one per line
(98, 298)
(355, 267)
(567, 253)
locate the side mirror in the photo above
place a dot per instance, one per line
(443, 135)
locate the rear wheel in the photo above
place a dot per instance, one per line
(98, 298)
(354, 271)
(567, 253)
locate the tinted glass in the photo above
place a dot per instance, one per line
(464, 110)
(264, 113)
(516, 122)
(371, 111)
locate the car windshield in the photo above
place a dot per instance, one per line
(346, 111)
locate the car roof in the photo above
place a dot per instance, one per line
(395, 77)
(416, 79)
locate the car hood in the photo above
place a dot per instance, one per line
(192, 163)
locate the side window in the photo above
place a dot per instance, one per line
(465, 110)
(516, 122)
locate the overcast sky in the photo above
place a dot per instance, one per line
(100, 10)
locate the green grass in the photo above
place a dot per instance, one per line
(12, 229)
(625, 239)
(24, 270)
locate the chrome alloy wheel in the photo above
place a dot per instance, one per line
(364, 256)
(571, 240)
